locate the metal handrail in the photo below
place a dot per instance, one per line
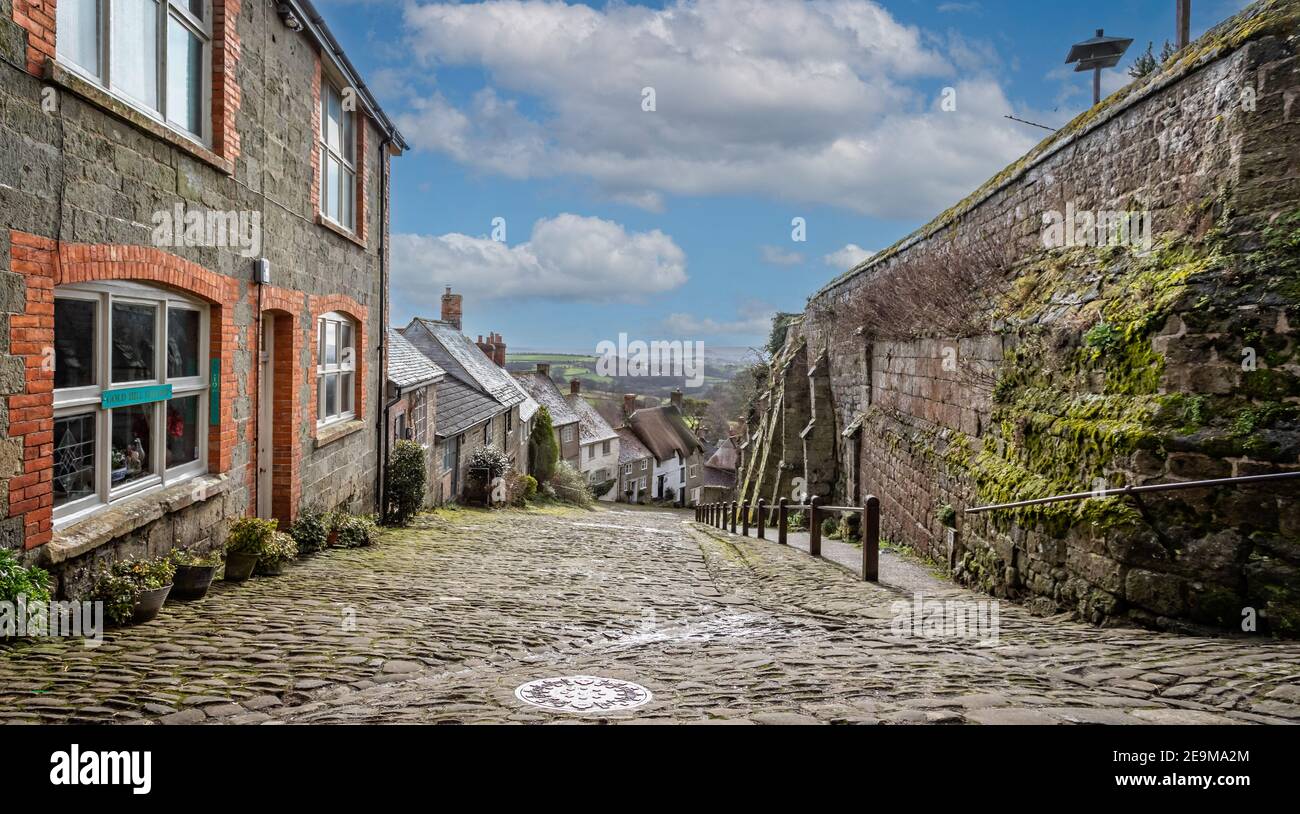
(1133, 490)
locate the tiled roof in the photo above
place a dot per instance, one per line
(630, 448)
(591, 425)
(664, 432)
(543, 389)
(407, 367)
(713, 476)
(724, 457)
(460, 357)
(461, 406)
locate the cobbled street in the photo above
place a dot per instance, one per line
(441, 622)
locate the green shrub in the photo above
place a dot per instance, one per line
(16, 581)
(279, 549)
(354, 531)
(530, 487)
(946, 515)
(603, 487)
(310, 531)
(850, 527)
(831, 528)
(406, 477)
(486, 464)
(118, 595)
(249, 535)
(796, 521)
(569, 485)
(543, 450)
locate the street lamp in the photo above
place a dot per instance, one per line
(1097, 53)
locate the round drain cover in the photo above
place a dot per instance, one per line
(583, 694)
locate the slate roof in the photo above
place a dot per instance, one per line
(592, 426)
(407, 367)
(543, 389)
(461, 406)
(630, 448)
(460, 357)
(664, 432)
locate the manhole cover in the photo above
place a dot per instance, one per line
(583, 694)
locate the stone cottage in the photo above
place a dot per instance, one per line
(564, 420)
(480, 404)
(412, 405)
(678, 453)
(194, 287)
(597, 441)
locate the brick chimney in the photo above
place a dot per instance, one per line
(451, 308)
(575, 387)
(676, 398)
(499, 350)
(629, 404)
(544, 368)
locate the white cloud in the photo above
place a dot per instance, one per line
(753, 319)
(810, 101)
(568, 257)
(847, 257)
(777, 256)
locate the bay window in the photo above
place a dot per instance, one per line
(130, 394)
(337, 162)
(335, 369)
(154, 54)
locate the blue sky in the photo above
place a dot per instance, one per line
(676, 222)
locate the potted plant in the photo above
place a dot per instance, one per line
(194, 573)
(248, 537)
(133, 591)
(278, 549)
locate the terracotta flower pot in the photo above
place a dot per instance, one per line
(239, 567)
(192, 582)
(148, 604)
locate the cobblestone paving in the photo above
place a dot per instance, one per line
(441, 622)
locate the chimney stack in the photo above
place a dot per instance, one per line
(629, 404)
(451, 308)
(575, 387)
(499, 350)
(544, 368)
(676, 398)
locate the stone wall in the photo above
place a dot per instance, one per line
(84, 178)
(1086, 365)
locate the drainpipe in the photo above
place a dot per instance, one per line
(381, 443)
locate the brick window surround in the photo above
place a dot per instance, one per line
(45, 265)
(39, 19)
(358, 313)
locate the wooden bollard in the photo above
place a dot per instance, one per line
(744, 518)
(734, 506)
(814, 528)
(762, 519)
(871, 539)
(782, 519)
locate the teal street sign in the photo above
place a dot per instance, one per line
(214, 393)
(130, 396)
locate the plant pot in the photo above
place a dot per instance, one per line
(267, 569)
(192, 581)
(148, 604)
(239, 567)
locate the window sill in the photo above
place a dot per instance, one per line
(341, 231)
(70, 81)
(125, 516)
(333, 432)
